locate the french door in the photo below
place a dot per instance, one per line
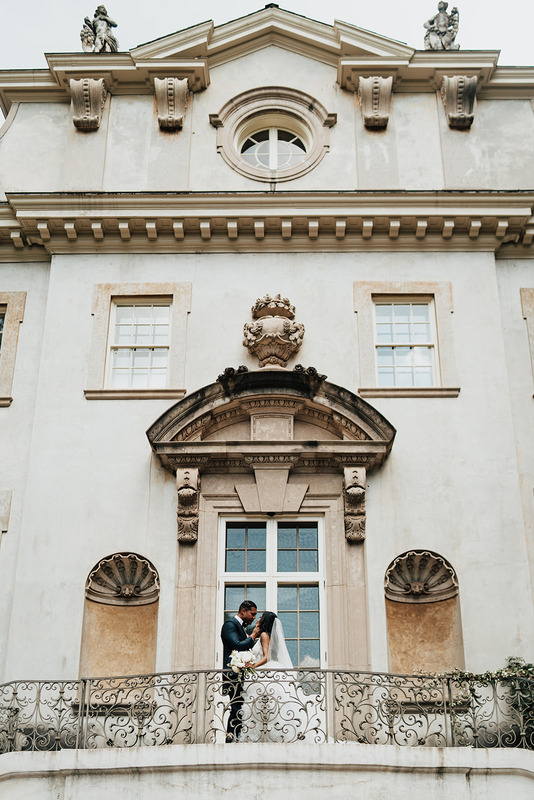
(277, 563)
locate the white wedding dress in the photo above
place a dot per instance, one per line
(276, 707)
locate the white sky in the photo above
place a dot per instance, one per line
(37, 26)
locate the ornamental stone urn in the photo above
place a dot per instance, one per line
(275, 336)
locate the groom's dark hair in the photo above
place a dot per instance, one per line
(247, 605)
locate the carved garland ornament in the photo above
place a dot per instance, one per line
(123, 579)
(420, 576)
(188, 488)
(354, 494)
(275, 337)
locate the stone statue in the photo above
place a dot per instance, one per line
(441, 30)
(96, 34)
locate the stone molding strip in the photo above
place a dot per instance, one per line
(34, 226)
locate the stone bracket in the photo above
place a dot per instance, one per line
(88, 100)
(354, 495)
(374, 94)
(188, 488)
(171, 98)
(458, 96)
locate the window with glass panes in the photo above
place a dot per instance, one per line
(405, 343)
(139, 345)
(277, 564)
(2, 318)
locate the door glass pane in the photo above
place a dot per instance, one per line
(298, 609)
(235, 594)
(245, 547)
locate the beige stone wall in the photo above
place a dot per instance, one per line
(424, 636)
(118, 640)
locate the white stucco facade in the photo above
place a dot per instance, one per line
(416, 211)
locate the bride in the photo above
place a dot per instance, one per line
(274, 708)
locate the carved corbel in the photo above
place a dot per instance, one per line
(88, 100)
(188, 488)
(458, 95)
(171, 99)
(374, 95)
(355, 504)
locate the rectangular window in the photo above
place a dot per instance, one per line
(2, 318)
(278, 565)
(405, 343)
(139, 344)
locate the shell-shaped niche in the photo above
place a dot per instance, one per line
(420, 576)
(123, 579)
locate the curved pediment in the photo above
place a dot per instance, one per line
(278, 417)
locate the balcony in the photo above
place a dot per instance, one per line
(313, 706)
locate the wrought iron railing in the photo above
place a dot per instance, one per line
(297, 705)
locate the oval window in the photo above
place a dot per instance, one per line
(273, 149)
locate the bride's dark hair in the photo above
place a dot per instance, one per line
(267, 621)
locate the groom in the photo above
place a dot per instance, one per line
(235, 637)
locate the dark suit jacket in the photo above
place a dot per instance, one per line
(234, 638)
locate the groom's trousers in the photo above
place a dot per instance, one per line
(233, 688)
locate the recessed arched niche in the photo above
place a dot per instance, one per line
(423, 614)
(120, 618)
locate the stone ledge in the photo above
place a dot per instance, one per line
(409, 391)
(133, 394)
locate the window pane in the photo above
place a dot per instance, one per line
(160, 334)
(235, 537)
(402, 333)
(256, 561)
(401, 312)
(119, 379)
(423, 376)
(124, 314)
(159, 358)
(256, 538)
(309, 597)
(308, 537)
(308, 561)
(404, 376)
(287, 561)
(403, 356)
(384, 313)
(385, 356)
(287, 537)
(121, 358)
(289, 621)
(139, 378)
(235, 561)
(384, 333)
(386, 376)
(420, 312)
(157, 379)
(309, 625)
(140, 358)
(123, 334)
(293, 650)
(143, 315)
(235, 594)
(310, 654)
(422, 356)
(161, 313)
(142, 334)
(421, 333)
(287, 597)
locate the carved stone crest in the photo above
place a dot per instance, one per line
(275, 336)
(188, 487)
(354, 494)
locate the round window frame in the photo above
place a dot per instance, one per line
(287, 109)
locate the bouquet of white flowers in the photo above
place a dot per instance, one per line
(239, 661)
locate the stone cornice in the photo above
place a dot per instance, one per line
(191, 53)
(39, 225)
